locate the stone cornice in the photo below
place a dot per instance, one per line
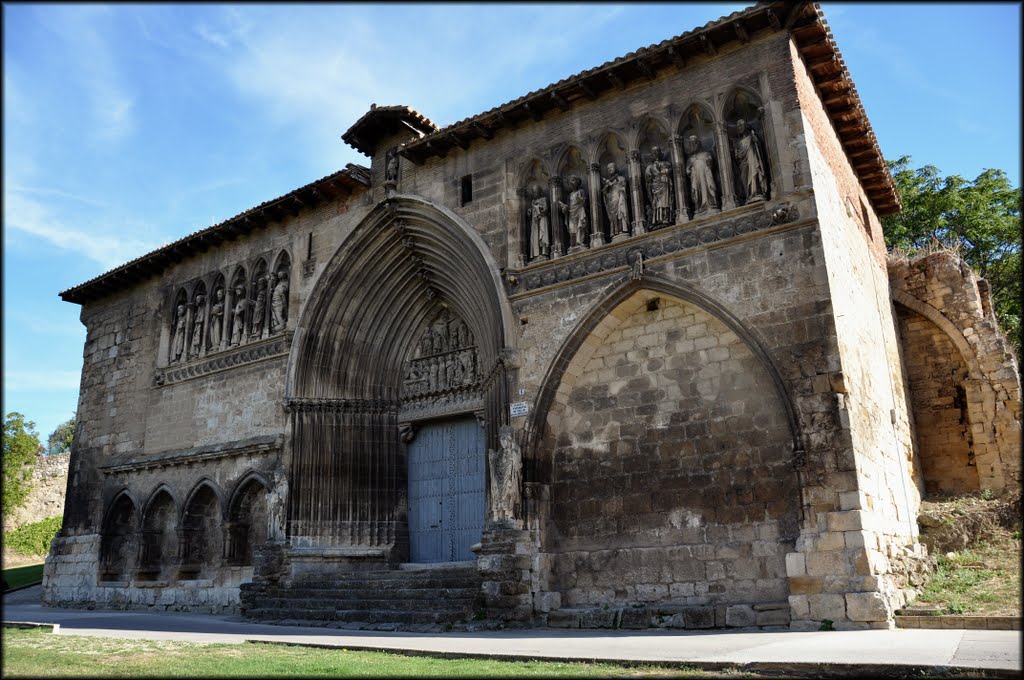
(341, 184)
(272, 348)
(198, 454)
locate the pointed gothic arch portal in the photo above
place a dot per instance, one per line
(397, 387)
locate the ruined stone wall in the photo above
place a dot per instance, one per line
(46, 495)
(673, 472)
(943, 289)
(936, 373)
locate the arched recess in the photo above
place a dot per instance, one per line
(653, 134)
(119, 539)
(753, 169)
(942, 378)
(407, 257)
(535, 214)
(197, 329)
(237, 309)
(202, 542)
(247, 519)
(573, 164)
(159, 536)
(218, 312)
(664, 434)
(279, 302)
(260, 291)
(701, 159)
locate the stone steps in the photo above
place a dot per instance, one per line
(383, 599)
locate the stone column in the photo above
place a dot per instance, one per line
(555, 216)
(190, 313)
(725, 167)
(518, 243)
(226, 319)
(596, 206)
(679, 176)
(636, 185)
(269, 280)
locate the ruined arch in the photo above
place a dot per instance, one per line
(159, 536)
(202, 531)
(660, 382)
(345, 371)
(247, 523)
(119, 538)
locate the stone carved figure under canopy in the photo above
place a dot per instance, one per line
(576, 212)
(616, 202)
(445, 359)
(700, 170)
(259, 306)
(238, 316)
(540, 230)
(279, 302)
(506, 468)
(197, 326)
(178, 345)
(659, 185)
(750, 163)
(217, 318)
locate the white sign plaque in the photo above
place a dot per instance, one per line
(518, 408)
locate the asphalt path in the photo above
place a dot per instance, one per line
(751, 649)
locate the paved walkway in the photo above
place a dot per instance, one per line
(876, 650)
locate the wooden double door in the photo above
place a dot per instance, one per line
(447, 463)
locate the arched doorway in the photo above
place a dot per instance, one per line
(372, 404)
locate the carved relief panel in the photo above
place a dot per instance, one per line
(442, 372)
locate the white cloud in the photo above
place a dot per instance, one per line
(91, 45)
(24, 320)
(31, 217)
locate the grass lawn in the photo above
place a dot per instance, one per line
(983, 579)
(40, 653)
(22, 576)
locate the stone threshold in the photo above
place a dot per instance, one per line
(935, 621)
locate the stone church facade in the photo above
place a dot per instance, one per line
(626, 351)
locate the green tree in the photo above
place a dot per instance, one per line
(979, 219)
(21, 442)
(60, 439)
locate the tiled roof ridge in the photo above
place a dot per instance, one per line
(594, 70)
(351, 171)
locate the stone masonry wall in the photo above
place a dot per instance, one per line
(871, 523)
(673, 477)
(46, 496)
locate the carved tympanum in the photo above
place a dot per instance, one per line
(444, 360)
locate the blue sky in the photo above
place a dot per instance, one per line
(129, 126)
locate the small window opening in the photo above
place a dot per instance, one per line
(467, 189)
(523, 321)
(654, 304)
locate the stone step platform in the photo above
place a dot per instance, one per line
(382, 599)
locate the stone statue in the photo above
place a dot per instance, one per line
(279, 303)
(466, 360)
(217, 318)
(391, 166)
(540, 233)
(747, 152)
(259, 306)
(700, 170)
(659, 185)
(615, 201)
(238, 316)
(635, 258)
(178, 346)
(275, 503)
(432, 376)
(197, 326)
(506, 467)
(576, 212)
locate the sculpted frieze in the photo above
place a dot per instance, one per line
(634, 254)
